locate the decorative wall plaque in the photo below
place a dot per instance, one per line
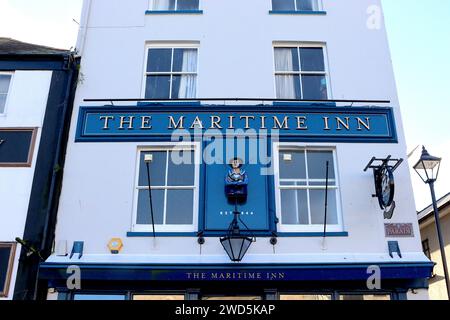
(399, 230)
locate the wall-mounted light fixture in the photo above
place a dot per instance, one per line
(236, 244)
(148, 158)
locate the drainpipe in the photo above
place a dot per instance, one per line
(87, 4)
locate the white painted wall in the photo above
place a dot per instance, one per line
(235, 60)
(26, 104)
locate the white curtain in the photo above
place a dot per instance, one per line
(163, 4)
(285, 83)
(188, 83)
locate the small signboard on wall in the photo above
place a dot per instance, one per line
(16, 147)
(396, 230)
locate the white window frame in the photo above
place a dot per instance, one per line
(172, 46)
(280, 146)
(151, 2)
(319, 6)
(167, 146)
(299, 45)
(8, 92)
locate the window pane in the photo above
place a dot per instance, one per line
(286, 59)
(304, 297)
(163, 4)
(158, 87)
(180, 205)
(312, 59)
(187, 5)
(157, 297)
(144, 215)
(181, 168)
(317, 201)
(307, 5)
(294, 207)
(159, 60)
(185, 60)
(157, 169)
(283, 5)
(4, 83)
(317, 164)
(288, 87)
(365, 297)
(232, 298)
(184, 87)
(92, 297)
(292, 165)
(314, 87)
(2, 103)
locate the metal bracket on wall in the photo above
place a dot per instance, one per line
(394, 247)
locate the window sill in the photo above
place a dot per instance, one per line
(297, 12)
(150, 12)
(311, 234)
(161, 234)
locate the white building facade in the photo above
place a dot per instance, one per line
(301, 92)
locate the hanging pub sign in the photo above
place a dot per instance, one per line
(385, 187)
(383, 171)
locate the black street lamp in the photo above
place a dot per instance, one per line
(428, 169)
(236, 244)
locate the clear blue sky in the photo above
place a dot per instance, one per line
(419, 37)
(418, 31)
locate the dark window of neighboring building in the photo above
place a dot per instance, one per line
(7, 251)
(174, 5)
(17, 147)
(295, 5)
(300, 72)
(171, 73)
(426, 248)
(5, 81)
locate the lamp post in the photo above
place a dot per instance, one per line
(428, 169)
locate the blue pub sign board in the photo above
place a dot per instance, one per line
(109, 124)
(255, 127)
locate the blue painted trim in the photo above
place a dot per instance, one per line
(311, 234)
(297, 12)
(161, 234)
(32, 64)
(150, 12)
(215, 234)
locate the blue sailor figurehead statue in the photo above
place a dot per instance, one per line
(236, 182)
